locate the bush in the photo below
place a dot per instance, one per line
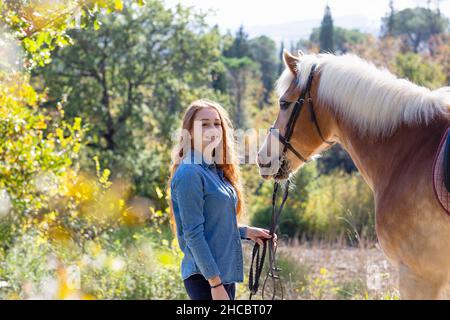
(340, 204)
(290, 222)
(419, 70)
(325, 207)
(34, 268)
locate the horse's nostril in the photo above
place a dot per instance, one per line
(264, 165)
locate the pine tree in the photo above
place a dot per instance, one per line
(281, 65)
(326, 32)
(388, 21)
(240, 47)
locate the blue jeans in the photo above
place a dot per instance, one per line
(198, 288)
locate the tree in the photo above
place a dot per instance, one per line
(387, 25)
(240, 47)
(326, 32)
(343, 38)
(416, 26)
(39, 148)
(242, 69)
(335, 158)
(41, 26)
(441, 56)
(281, 65)
(263, 51)
(132, 78)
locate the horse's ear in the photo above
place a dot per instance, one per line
(290, 61)
(301, 53)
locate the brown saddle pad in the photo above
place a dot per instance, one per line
(440, 190)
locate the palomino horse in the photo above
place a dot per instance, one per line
(392, 129)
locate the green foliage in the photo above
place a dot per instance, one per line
(57, 212)
(337, 206)
(419, 70)
(340, 204)
(354, 289)
(41, 26)
(335, 158)
(241, 71)
(291, 223)
(320, 287)
(281, 65)
(142, 270)
(24, 264)
(387, 26)
(326, 39)
(343, 38)
(239, 48)
(416, 25)
(132, 78)
(264, 52)
(105, 268)
(35, 148)
(293, 273)
(242, 77)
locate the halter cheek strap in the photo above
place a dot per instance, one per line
(304, 96)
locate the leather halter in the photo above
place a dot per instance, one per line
(268, 244)
(304, 96)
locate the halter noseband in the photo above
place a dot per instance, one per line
(304, 96)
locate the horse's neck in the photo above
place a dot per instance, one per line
(379, 160)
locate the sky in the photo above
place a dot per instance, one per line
(230, 14)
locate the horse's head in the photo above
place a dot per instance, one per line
(303, 127)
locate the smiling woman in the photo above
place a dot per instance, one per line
(206, 203)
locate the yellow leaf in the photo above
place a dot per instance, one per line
(118, 5)
(166, 259)
(159, 193)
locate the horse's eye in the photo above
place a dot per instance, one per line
(284, 104)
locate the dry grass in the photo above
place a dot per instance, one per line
(318, 271)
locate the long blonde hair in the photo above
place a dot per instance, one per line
(229, 162)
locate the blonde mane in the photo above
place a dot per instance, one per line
(373, 100)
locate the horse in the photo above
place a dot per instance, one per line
(391, 128)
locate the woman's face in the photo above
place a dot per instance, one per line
(207, 128)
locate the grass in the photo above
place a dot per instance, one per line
(319, 271)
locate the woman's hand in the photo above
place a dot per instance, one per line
(220, 293)
(258, 234)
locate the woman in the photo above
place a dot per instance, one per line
(206, 202)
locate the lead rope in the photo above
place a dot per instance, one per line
(255, 274)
